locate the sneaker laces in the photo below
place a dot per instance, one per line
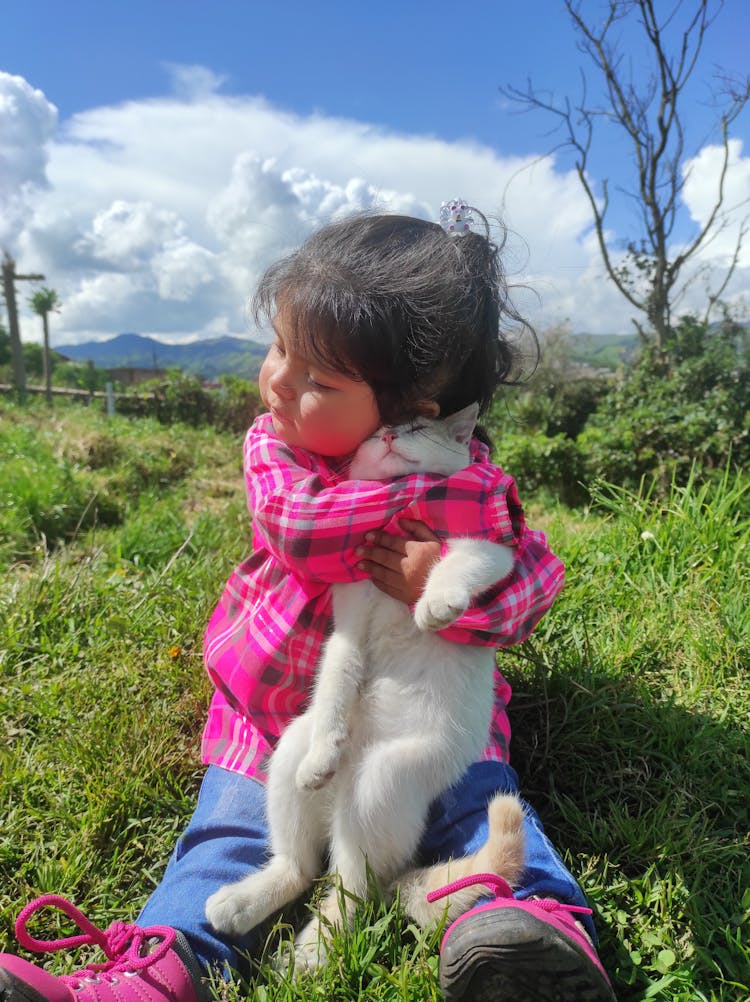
(126, 946)
(502, 889)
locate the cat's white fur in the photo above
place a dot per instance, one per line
(397, 716)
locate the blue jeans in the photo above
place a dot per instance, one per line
(228, 836)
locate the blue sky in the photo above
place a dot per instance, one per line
(190, 143)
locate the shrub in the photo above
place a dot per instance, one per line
(662, 419)
(182, 398)
(542, 464)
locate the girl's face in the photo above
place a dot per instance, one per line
(313, 407)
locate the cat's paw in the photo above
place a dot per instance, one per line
(313, 773)
(230, 911)
(310, 947)
(436, 611)
(319, 766)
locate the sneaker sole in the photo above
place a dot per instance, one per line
(508, 953)
(13, 989)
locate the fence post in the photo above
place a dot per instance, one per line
(110, 400)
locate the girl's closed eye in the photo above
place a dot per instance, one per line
(316, 384)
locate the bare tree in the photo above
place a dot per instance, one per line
(649, 111)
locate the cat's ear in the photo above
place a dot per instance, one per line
(460, 426)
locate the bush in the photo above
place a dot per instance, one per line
(551, 408)
(182, 398)
(540, 464)
(663, 417)
(78, 375)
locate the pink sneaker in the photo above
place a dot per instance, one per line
(520, 950)
(142, 965)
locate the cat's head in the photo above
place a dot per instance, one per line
(425, 445)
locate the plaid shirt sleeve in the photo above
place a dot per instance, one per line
(307, 515)
(507, 614)
(312, 520)
(482, 501)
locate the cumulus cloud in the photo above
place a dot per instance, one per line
(160, 215)
(27, 121)
(265, 211)
(127, 233)
(183, 269)
(702, 178)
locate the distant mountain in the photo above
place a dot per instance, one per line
(242, 357)
(211, 358)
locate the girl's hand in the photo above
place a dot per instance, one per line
(399, 565)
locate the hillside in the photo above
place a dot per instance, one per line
(243, 357)
(210, 358)
(602, 351)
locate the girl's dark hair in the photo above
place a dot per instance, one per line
(396, 301)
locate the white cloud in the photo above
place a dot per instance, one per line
(160, 215)
(183, 269)
(702, 177)
(27, 121)
(192, 83)
(126, 234)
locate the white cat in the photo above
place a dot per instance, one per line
(397, 716)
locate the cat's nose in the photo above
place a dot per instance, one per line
(389, 437)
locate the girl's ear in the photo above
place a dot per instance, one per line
(428, 408)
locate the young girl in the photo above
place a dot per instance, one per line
(378, 319)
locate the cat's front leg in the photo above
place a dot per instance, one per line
(470, 567)
(444, 599)
(319, 765)
(337, 687)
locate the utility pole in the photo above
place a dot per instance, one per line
(9, 288)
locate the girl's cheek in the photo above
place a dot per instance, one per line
(309, 408)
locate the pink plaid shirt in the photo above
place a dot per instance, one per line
(264, 639)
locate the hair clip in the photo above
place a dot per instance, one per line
(456, 217)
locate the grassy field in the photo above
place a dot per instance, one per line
(630, 713)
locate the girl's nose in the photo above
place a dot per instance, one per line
(281, 383)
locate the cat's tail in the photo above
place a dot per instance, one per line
(502, 854)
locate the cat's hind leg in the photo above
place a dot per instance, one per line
(377, 821)
(298, 836)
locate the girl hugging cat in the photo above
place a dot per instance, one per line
(390, 325)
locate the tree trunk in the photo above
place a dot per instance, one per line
(47, 361)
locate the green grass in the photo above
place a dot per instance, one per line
(630, 712)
